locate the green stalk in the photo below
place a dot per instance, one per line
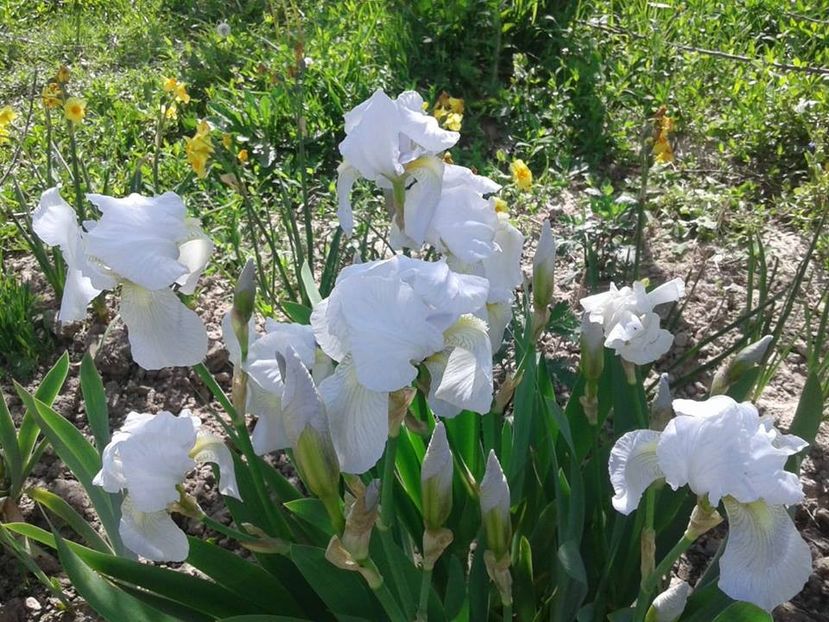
(159, 131)
(230, 532)
(508, 613)
(664, 567)
(384, 525)
(389, 604)
(48, 147)
(423, 602)
(76, 173)
(303, 173)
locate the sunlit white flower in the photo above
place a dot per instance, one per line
(148, 458)
(725, 451)
(223, 29)
(631, 327)
(464, 222)
(394, 143)
(266, 386)
(502, 269)
(145, 244)
(380, 322)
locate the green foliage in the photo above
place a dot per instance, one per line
(23, 338)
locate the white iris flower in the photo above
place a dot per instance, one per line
(148, 458)
(726, 451)
(145, 244)
(380, 322)
(631, 327)
(395, 144)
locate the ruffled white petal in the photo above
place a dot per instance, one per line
(423, 129)
(152, 535)
(138, 237)
(346, 176)
(463, 225)
(302, 406)
(765, 561)
(671, 291)
(709, 454)
(210, 448)
(54, 221)
(503, 267)
(358, 419)
(269, 434)
(388, 330)
(155, 459)
(454, 175)
(466, 380)
(422, 197)
(194, 254)
(498, 316)
(372, 143)
(163, 332)
(639, 339)
(633, 466)
(329, 326)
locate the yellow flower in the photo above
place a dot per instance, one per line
(7, 115)
(447, 158)
(456, 105)
(501, 206)
(62, 76)
(51, 95)
(453, 121)
(181, 93)
(75, 109)
(243, 156)
(170, 112)
(662, 150)
(521, 175)
(227, 140)
(169, 84)
(199, 148)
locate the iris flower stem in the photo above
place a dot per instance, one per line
(386, 511)
(389, 604)
(664, 567)
(275, 519)
(423, 602)
(508, 613)
(159, 132)
(227, 531)
(76, 173)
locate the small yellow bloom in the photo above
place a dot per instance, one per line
(662, 150)
(501, 206)
(243, 156)
(7, 115)
(51, 95)
(227, 140)
(455, 104)
(169, 84)
(75, 109)
(453, 121)
(62, 76)
(521, 175)
(181, 93)
(199, 148)
(170, 112)
(447, 158)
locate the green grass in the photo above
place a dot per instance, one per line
(22, 336)
(568, 89)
